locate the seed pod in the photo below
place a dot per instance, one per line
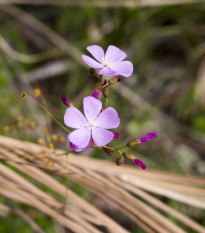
(133, 143)
(128, 156)
(105, 92)
(119, 160)
(112, 81)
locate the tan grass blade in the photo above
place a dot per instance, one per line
(113, 184)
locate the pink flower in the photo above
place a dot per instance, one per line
(94, 124)
(109, 63)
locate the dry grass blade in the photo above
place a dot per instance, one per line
(112, 184)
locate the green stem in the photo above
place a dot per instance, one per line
(106, 101)
(107, 84)
(51, 116)
(122, 147)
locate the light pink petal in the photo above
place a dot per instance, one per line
(97, 52)
(73, 118)
(91, 62)
(108, 119)
(80, 137)
(101, 137)
(107, 71)
(92, 107)
(113, 54)
(124, 68)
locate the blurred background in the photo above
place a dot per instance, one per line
(41, 43)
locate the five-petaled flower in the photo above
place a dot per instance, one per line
(109, 63)
(94, 124)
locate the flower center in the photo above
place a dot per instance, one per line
(106, 63)
(91, 125)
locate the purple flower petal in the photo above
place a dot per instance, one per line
(97, 52)
(108, 71)
(116, 135)
(148, 137)
(80, 137)
(73, 118)
(78, 149)
(108, 119)
(92, 107)
(140, 163)
(114, 54)
(124, 68)
(91, 62)
(101, 137)
(96, 94)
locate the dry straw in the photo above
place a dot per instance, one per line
(129, 189)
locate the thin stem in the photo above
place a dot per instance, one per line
(106, 101)
(107, 84)
(46, 110)
(122, 147)
(49, 120)
(67, 184)
(107, 147)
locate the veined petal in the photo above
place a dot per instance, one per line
(124, 68)
(108, 119)
(108, 71)
(92, 108)
(80, 137)
(91, 62)
(97, 52)
(101, 137)
(73, 118)
(114, 54)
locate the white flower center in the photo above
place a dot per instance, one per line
(91, 124)
(105, 61)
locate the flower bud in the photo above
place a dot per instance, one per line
(128, 156)
(54, 137)
(114, 80)
(50, 145)
(7, 128)
(65, 100)
(40, 141)
(115, 134)
(119, 160)
(133, 143)
(91, 71)
(20, 124)
(96, 93)
(19, 118)
(31, 124)
(146, 138)
(37, 92)
(61, 139)
(23, 95)
(140, 163)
